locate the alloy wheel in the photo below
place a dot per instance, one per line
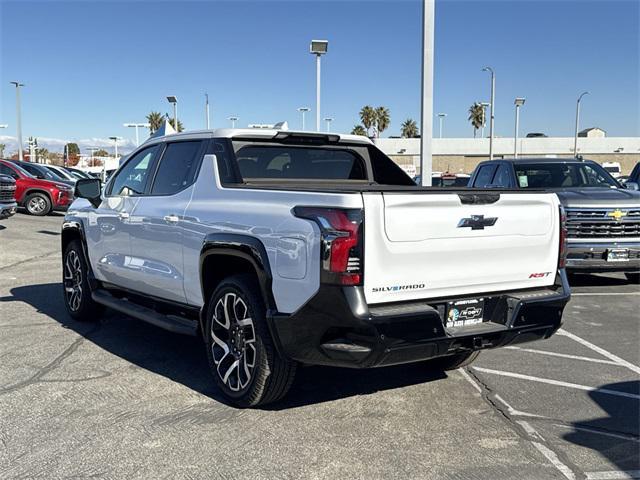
(233, 346)
(73, 280)
(37, 205)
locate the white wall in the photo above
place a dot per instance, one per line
(504, 146)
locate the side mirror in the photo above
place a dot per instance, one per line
(91, 189)
(631, 186)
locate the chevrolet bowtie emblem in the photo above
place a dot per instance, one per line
(617, 214)
(477, 222)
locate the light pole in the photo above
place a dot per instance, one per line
(484, 106)
(318, 48)
(174, 100)
(18, 119)
(233, 121)
(206, 96)
(575, 137)
(441, 120)
(303, 110)
(136, 126)
(92, 151)
(328, 120)
(426, 120)
(518, 102)
(492, 102)
(4, 125)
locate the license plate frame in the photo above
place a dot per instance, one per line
(462, 313)
(617, 255)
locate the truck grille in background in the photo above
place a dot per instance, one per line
(7, 191)
(599, 223)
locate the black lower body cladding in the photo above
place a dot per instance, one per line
(337, 328)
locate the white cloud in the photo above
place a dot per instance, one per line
(57, 144)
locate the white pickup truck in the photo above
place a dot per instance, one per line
(283, 248)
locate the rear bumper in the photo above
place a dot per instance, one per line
(337, 328)
(8, 209)
(591, 257)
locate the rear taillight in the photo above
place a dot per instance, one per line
(341, 250)
(562, 256)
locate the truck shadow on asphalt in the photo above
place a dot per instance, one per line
(182, 358)
(616, 436)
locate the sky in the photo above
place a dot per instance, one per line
(90, 66)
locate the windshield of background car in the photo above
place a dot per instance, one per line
(562, 175)
(299, 163)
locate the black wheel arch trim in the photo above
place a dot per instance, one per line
(33, 190)
(252, 250)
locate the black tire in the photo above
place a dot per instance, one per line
(38, 204)
(242, 357)
(453, 362)
(633, 277)
(75, 284)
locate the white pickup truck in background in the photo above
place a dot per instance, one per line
(283, 248)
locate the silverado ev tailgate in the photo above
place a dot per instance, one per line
(421, 245)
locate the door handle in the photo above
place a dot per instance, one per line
(123, 215)
(171, 218)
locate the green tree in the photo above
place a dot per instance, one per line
(476, 117)
(155, 120)
(409, 128)
(359, 130)
(2, 147)
(73, 149)
(368, 117)
(101, 153)
(383, 119)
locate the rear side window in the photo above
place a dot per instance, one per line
(484, 176)
(386, 171)
(299, 163)
(178, 167)
(502, 177)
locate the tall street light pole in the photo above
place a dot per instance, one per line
(303, 110)
(441, 120)
(233, 121)
(318, 48)
(492, 102)
(19, 119)
(174, 100)
(518, 102)
(575, 137)
(328, 120)
(426, 121)
(206, 96)
(136, 126)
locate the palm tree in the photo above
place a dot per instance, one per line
(180, 126)
(155, 120)
(382, 120)
(368, 117)
(2, 147)
(476, 116)
(359, 130)
(409, 128)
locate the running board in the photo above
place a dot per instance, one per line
(171, 323)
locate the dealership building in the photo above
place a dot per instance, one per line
(461, 155)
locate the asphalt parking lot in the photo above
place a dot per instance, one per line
(122, 399)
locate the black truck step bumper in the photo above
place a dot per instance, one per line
(337, 328)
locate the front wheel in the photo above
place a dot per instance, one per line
(38, 204)
(77, 293)
(633, 277)
(241, 353)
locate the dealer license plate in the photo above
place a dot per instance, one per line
(617, 255)
(465, 312)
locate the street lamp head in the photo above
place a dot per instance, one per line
(485, 104)
(319, 47)
(17, 84)
(172, 99)
(304, 109)
(519, 101)
(442, 115)
(582, 95)
(487, 69)
(328, 119)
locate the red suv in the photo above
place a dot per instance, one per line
(38, 196)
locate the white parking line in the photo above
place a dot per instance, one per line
(566, 355)
(621, 436)
(613, 475)
(601, 351)
(558, 383)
